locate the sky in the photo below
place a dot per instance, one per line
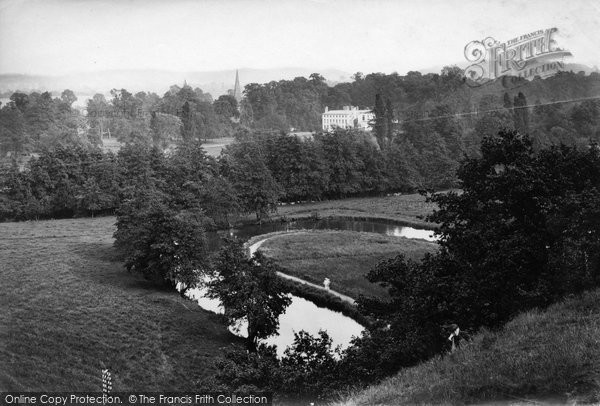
(59, 37)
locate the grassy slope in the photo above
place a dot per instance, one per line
(552, 356)
(342, 256)
(69, 309)
(404, 209)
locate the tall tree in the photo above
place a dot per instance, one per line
(166, 245)
(380, 124)
(244, 164)
(521, 113)
(250, 290)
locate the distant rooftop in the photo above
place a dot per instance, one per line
(346, 110)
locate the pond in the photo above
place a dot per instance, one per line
(303, 314)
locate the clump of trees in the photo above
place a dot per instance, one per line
(271, 167)
(430, 122)
(166, 205)
(34, 122)
(308, 371)
(62, 182)
(424, 125)
(166, 245)
(523, 232)
(519, 235)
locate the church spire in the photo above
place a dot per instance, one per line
(237, 91)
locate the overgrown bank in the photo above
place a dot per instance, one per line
(403, 209)
(539, 356)
(522, 234)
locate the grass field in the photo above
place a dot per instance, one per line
(69, 309)
(213, 147)
(342, 256)
(540, 357)
(404, 209)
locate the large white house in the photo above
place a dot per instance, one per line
(349, 117)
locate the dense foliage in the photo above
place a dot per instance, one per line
(35, 122)
(61, 183)
(167, 204)
(523, 232)
(334, 165)
(417, 97)
(249, 290)
(424, 125)
(165, 245)
(308, 370)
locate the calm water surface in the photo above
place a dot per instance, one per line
(303, 314)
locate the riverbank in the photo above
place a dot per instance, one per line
(312, 291)
(540, 357)
(406, 210)
(345, 257)
(70, 309)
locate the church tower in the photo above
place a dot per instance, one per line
(237, 91)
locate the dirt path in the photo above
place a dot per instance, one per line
(252, 249)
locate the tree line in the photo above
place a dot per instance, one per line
(33, 123)
(424, 124)
(523, 233)
(254, 174)
(402, 99)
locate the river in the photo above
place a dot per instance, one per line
(303, 314)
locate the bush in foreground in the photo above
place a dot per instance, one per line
(523, 233)
(549, 355)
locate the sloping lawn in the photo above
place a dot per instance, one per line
(540, 357)
(70, 309)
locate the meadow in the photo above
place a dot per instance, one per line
(407, 209)
(70, 309)
(344, 257)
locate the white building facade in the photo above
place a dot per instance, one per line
(349, 117)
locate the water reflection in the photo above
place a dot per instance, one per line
(409, 232)
(369, 226)
(301, 314)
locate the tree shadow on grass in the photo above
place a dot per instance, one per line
(102, 264)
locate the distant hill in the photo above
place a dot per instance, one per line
(214, 82)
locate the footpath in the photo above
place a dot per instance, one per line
(252, 249)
